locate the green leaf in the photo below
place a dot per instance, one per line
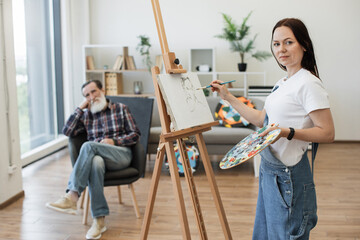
(261, 55)
(144, 49)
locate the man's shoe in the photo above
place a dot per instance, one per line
(64, 204)
(97, 228)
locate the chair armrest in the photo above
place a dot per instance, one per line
(138, 158)
(74, 145)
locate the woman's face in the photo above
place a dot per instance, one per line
(286, 48)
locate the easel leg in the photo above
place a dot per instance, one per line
(214, 189)
(192, 188)
(177, 190)
(152, 192)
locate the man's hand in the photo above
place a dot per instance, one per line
(84, 104)
(108, 141)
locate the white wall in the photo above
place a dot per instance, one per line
(334, 26)
(10, 184)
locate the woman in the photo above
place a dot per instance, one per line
(299, 106)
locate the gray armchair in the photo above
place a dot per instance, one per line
(141, 109)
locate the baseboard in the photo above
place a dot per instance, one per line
(12, 200)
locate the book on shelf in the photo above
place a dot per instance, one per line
(113, 84)
(130, 63)
(265, 90)
(125, 56)
(250, 94)
(118, 62)
(90, 65)
(259, 91)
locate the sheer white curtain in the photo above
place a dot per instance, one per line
(75, 25)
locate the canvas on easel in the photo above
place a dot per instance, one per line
(178, 89)
(186, 105)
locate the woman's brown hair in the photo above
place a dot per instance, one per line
(302, 36)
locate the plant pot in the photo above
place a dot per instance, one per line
(242, 67)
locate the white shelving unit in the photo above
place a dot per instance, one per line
(206, 56)
(104, 58)
(245, 78)
(202, 56)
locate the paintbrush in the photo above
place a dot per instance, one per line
(219, 84)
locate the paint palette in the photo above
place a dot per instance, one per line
(249, 147)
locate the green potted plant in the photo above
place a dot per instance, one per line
(144, 49)
(238, 37)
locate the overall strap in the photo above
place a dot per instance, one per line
(314, 148)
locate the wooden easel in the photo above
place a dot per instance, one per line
(166, 144)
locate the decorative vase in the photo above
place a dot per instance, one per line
(138, 87)
(242, 67)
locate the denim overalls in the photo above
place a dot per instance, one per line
(286, 207)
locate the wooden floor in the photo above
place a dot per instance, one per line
(337, 178)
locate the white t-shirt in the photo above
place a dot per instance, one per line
(289, 106)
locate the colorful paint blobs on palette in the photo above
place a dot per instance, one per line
(248, 147)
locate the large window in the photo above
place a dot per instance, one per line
(37, 44)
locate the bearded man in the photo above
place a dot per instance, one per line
(110, 129)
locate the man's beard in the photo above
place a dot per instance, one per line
(99, 104)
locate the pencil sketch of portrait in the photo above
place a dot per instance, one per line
(190, 93)
(186, 106)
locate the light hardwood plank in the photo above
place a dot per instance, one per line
(337, 179)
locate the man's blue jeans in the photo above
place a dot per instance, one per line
(89, 170)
